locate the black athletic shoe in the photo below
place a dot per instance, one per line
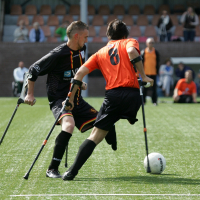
(68, 176)
(51, 173)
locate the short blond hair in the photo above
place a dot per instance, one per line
(76, 26)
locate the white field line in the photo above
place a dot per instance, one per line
(51, 195)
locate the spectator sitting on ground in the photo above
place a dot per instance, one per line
(180, 71)
(18, 74)
(185, 90)
(36, 33)
(21, 33)
(164, 25)
(62, 31)
(166, 76)
(190, 20)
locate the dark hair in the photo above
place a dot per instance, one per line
(116, 30)
(76, 26)
(168, 60)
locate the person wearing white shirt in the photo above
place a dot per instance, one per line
(18, 74)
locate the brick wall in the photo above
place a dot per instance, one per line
(11, 54)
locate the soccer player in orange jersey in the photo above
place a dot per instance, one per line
(185, 90)
(122, 98)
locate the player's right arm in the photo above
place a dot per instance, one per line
(133, 53)
(29, 99)
(39, 68)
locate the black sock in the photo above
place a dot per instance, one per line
(85, 150)
(59, 149)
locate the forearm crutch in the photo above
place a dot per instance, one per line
(20, 100)
(144, 122)
(67, 103)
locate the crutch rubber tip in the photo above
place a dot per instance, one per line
(148, 170)
(26, 176)
(66, 165)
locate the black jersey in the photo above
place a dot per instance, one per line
(61, 65)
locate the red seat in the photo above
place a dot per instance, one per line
(135, 31)
(46, 30)
(31, 10)
(142, 20)
(39, 19)
(118, 10)
(164, 7)
(178, 31)
(134, 10)
(150, 31)
(111, 18)
(104, 10)
(128, 20)
(97, 20)
(97, 39)
(92, 32)
(24, 18)
(53, 20)
(60, 10)
(102, 32)
(197, 31)
(45, 10)
(74, 10)
(179, 8)
(68, 18)
(91, 10)
(16, 10)
(149, 10)
(155, 19)
(174, 19)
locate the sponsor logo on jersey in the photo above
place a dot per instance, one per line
(93, 110)
(67, 73)
(76, 55)
(82, 54)
(37, 68)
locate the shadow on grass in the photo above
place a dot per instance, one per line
(155, 179)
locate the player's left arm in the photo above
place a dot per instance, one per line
(77, 81)
(194, 97)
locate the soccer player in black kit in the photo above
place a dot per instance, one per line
(61, 65)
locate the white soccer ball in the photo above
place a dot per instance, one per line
(157, 163)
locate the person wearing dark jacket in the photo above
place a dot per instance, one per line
(190, 20)
(151, 67)
(165, 24)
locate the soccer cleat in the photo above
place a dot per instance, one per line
(52, 173)
(68, 176)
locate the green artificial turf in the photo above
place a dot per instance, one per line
(172, 130)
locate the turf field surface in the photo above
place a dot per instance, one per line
(172, 130)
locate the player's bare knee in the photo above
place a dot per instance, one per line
(68, 124)
(97, 135)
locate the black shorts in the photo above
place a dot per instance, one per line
(119, 103)
(185, 99)
(84, 114)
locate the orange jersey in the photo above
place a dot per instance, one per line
(185, 88)
(114, 63)
(150, 62)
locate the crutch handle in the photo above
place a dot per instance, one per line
(145, 84)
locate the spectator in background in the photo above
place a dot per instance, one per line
(166, 76)
(180, 71)
(62, 31)
(185, 90)
(18, 74)
(151, 65)
(189, 20)
(21, 33)
(36, 33)
(164, 25)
